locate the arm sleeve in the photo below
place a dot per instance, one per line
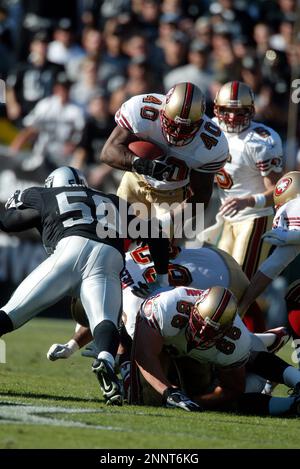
(15, 220)
(281, 258)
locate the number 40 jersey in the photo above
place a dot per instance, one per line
(207, 152)
(66, 211)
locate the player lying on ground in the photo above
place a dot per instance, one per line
(204, 325)
(199, 268)
(285, 235)
(84, 261)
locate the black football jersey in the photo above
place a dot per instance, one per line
(73, 211)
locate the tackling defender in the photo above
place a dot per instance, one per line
(84, 261)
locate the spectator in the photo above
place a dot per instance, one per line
(6, 44)
(197, 70)
(56, 124)
(87, 84)
(99, 124)
(32, 80)
(140, 80)
(92, 43)
(175, 50)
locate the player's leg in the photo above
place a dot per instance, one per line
(226, 242)
(101, 298)
(249, 249)
(48, 283)
(133, 188)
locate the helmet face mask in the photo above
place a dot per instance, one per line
(204, 334)
(65, 176)
(181, 115)
(234, 107)
(211, 317)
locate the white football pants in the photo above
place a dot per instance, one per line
(79, 267)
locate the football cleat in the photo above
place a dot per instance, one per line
(109, 382)
(282, 337)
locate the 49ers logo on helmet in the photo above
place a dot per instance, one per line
(282, 186)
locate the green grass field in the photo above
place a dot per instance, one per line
(59, 405)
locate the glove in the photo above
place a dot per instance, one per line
(144, 290)
(173, 397)
(57, 351)
(90, 351)
(153, 168)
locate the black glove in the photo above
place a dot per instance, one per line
(173, 397)
(153, 168)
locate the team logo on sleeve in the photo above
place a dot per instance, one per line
(282, 186)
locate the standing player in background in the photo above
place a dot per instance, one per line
(84, 260)
(195, 148)
(285, 235)
(247, 181)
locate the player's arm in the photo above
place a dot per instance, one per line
(231, 385)
(232, 205)
(201, 185)
(14, 220)
(81, 337)
(268, 270)
(148, 347)
(115, 152)
(26, 135)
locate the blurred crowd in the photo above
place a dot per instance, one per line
(69, 65)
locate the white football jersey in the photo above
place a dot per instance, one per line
(288, 216)
(169, 312)
(253, 154)
(207, 152)
(200, 268)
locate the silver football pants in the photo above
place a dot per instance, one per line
(79, 267)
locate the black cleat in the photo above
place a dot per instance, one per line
(109, 382)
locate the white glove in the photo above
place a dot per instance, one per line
(57, 351)
(281, 237)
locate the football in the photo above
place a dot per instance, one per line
(147, 150)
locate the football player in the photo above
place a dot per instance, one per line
(198, 268)
(195, 148)
(83, 260)
(247, 180)
(285, 236)
(204, 325)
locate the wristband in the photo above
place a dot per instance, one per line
(72, 345)
(260, 200)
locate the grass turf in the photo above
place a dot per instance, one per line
(68, 412)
